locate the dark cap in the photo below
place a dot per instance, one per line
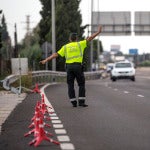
(73, 36)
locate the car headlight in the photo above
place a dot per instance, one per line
(131, 71)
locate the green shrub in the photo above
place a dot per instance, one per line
(26, 81)
(145, 64)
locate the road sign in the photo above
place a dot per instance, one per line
(142, 23)
(113, 23)
(133, 51)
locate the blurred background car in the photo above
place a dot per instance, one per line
(123, 70)
(109, 67)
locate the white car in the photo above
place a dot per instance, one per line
(123, 70)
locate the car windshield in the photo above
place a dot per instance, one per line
(123, 65)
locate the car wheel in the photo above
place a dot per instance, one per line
(133, 78)
(113, 79)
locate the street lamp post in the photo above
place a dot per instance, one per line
(53, 35)
(0, 30)
(91, 48)
(16, 42)
(1, 62)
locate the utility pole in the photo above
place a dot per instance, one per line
(53, 35)
(0, 30)
(28, 25)
(98, 44)
(16, 42)
(1, 61)
(91, 47)
(28, 30)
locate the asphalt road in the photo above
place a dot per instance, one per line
(117, 117)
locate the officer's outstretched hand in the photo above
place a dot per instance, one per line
(43, 61)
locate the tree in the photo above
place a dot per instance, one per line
(32, 49)
(68, 19)
(5, 40)
(5, 47)
(45, 23)
(4, 31)
(0, 38)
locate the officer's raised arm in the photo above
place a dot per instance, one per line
(54, 55)
(90, 38)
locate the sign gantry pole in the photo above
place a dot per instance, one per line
(53, 35)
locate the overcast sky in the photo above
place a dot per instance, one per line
(16, 10)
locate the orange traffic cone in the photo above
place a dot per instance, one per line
(43, 109)
(43, 101)
(38, 123)
(35, 124)
(35, 130)
(36, 89)
(44, 106)
(38, 114)
(42, 136)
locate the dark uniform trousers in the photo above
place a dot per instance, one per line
(75, 71)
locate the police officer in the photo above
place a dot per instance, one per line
(73, 53)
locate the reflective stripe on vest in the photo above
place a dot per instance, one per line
(78, 56)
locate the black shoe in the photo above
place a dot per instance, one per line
(82, 103)
(74, 103)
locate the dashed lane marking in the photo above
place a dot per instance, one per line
(56, 121)
(54, 118)
(67, 146)
(140, 95)
(53, 114)
(58, 125)
(61, 133)
(126, 92)
(115, 89)
(63, 138)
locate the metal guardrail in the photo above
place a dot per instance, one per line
(42, 77)
(9, 80)
(45, 76)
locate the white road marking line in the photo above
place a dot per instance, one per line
(46, 99)
(60, 131)
(140, 95)
(53, 114)
(58, 125)
(67, 146)
(54, 118)
(115, 89)
(63, 138)
(56, 121)
(126, 92)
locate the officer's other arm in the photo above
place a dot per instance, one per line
(90, 38)
(54, 55)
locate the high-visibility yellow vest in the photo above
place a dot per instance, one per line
(73, 52)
